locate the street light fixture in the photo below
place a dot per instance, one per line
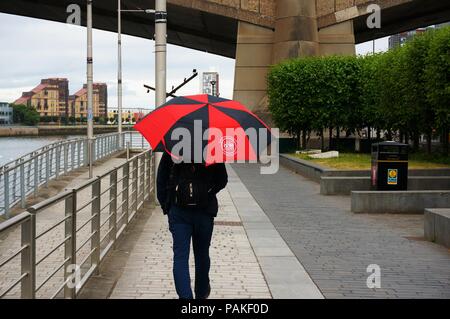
(119, 61)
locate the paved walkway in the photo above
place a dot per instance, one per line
(275, 237)
(336, 246)
(249, 258)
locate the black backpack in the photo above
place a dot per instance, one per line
(189, 185)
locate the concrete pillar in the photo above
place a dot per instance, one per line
(338, 39)
(296, 32)
(253, 58)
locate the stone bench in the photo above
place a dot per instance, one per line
(401, 202)
(437, 226)
(345, 185)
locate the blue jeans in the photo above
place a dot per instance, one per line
(185, 224)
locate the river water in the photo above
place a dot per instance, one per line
(14, 147)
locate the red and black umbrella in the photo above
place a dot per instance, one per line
(220, 130)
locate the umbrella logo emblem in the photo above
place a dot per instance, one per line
(228, 144)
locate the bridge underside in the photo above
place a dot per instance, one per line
(401, 18)
(187, 27)
(256, 39)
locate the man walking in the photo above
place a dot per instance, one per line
(187, 194)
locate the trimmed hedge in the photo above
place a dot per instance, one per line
(405, 91)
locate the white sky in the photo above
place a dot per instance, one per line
(33, 49)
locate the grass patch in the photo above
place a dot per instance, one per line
(363, 161)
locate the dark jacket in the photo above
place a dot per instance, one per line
(219, 178)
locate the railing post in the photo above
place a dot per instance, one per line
(36, 175)
(78, 154)
(128, 151)
(94, 150)
(28, 257)
(72, 156)
(6, 188)
(14, 180)
(58, 160)
(125, 190)
(22, 185)
(150, 177)
(70, 247)
(47, 168)
(144, 176)
(95, 224)
(113, 206)
(41, 158)
(135, 184)
(86, 153)
(66, 158)
(50, 159)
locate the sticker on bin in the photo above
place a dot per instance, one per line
(392, 176)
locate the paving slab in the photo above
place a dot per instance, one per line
(141, 264)
(335, 246)
(285, 275)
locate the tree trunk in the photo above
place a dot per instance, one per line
(330, 137)
(416, 141)
(369, 133)
(304, 139)
(445, 141)
(378, 134)
(357, 142)
(429, 138)
(389, 135)
(338, 137)
(322, 147)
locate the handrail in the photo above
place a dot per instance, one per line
(106, 227)
(24, 176)
(14, 221)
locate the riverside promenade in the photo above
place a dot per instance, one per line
(275, 237)
(249, 259)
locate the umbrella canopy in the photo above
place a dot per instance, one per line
(207, 129)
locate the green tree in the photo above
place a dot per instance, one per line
(369, 88)
(421, 113)
(437, 74)
(26, 115)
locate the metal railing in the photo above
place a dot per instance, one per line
(93, 216)
(24, 176)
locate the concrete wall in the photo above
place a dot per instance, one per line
(404, 202)
(309, 170)
(345, 185)
(437, 226)
(342, 182)
(7, 131)
(54, 130)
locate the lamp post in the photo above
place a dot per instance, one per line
(90, 124)
(160, 51)
(160, 61)
(160, 56)
(119, 71)
(119, 62)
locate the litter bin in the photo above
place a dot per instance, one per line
(390, 166)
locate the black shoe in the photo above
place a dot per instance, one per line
(207, 293)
